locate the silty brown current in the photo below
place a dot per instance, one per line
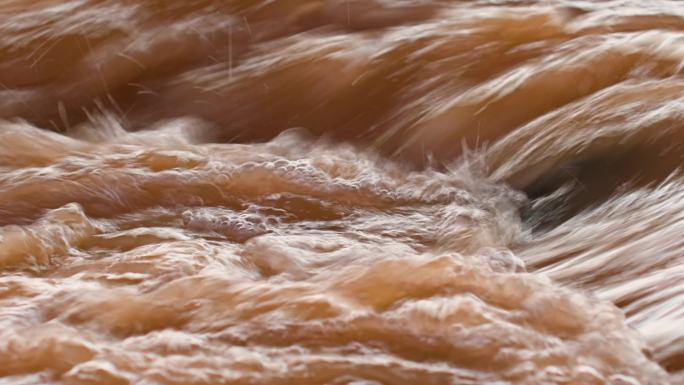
(341, 192)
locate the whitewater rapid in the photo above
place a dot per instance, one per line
(341, 192)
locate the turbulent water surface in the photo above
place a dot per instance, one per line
(341, 192)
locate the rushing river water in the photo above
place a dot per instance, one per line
(341, 192)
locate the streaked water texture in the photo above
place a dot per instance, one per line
(341, 192)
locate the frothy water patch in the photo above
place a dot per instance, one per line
(340, 192)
